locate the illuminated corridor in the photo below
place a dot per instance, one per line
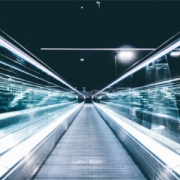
(89, 150)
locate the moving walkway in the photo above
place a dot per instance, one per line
(130, 131)
(89, 150)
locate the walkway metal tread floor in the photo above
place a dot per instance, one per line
(89, 150)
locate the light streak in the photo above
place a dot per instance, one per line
(20, 53)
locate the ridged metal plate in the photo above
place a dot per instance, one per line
(89, 150)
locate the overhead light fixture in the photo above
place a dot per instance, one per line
(126, 55)
(98, 3)
(175, 53)
(98, 49)
(82, 56)
(23, 55)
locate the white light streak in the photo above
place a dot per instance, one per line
(98, 49)
(20, 53)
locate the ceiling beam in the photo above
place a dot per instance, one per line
(97, 49)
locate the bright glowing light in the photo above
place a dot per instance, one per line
(175, 53)
(81, 7)
(97, 2)
(126, 55)
(82, 59)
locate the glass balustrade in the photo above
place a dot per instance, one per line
(31, 94)
(148, 95)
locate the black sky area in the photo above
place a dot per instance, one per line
(60, 24)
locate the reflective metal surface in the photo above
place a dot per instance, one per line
(89, 150)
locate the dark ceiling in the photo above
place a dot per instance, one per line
(65, 25)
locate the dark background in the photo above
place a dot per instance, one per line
(59, 24)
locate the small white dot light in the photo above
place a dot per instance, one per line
(82, 7)
(82, 59)
(126, 55)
